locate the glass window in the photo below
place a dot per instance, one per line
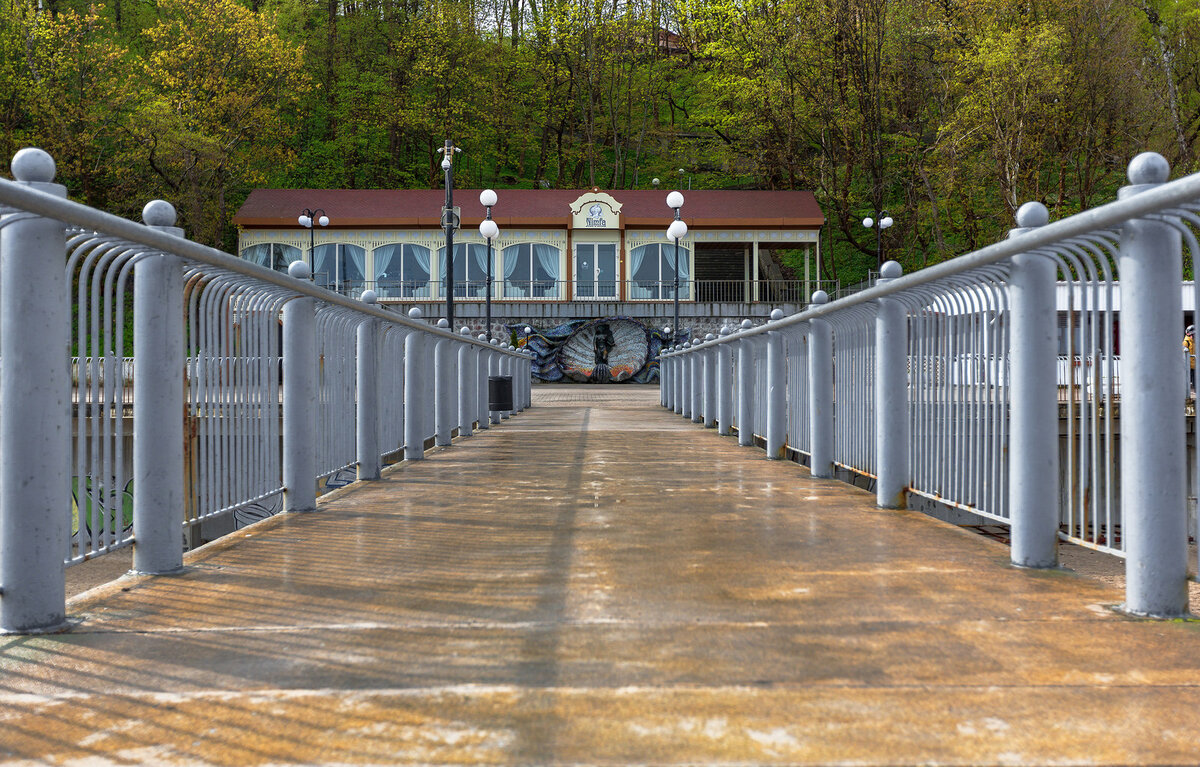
(531, 271)
(470, 270)
(273, 255)
(340, 267)
(402, 270)
(652, 268)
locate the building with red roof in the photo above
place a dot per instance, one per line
(562, 254)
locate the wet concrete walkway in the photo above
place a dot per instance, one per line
(597, 581)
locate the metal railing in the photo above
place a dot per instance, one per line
(708, 291)
(245, 390)
(947, 386)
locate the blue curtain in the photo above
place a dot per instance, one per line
(516, 256)
(416, 271)
(324, 265)
(644, 284)
(545, 276)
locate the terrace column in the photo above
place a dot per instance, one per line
(1153, 390)
(1033, 448)
(158, 402)
(35, 399)
(820, 391)
(891, 396)
(776, 394)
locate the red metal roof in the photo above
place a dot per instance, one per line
(421, 208)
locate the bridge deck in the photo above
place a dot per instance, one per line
(598, 581)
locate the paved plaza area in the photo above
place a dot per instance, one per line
(598, 581)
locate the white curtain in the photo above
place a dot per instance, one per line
(479, 257)
(258, 254)
(354, 264)
(388, 260)
(547, 260)
(643, 286)
(513, 256)
(324, 264)
(440, 290)
(418, 283)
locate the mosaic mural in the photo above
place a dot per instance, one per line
(608, 350)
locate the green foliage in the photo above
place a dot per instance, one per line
(948, 115)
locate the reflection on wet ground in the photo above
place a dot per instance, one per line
(599, 581)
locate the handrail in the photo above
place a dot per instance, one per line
(22, 197)
(942, 387)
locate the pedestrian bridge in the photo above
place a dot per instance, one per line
(598, 581)
(578, 576)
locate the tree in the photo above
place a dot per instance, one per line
(219, 87)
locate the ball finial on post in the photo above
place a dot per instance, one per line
(299, 270)
(33, 164)
(1149, 168)
(1032, 214)
(159, 213)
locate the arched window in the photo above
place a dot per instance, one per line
(340, 267)
(272, 255)
(531, 271)
(470, 270)
(652, 271)
(402, 270)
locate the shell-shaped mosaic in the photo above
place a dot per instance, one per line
(604, 351)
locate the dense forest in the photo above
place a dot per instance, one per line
(946, 113)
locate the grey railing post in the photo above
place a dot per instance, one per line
(679, 380)
(444, 379)
(416, 392)
(481, 384)
(688, 381)
(776, 394)
(493, 370)
(725, 402)
(527, 379)
(506, 364)
(1153, 455)
(35, 398)
(158, 403)
(468, 394)
(667, 378)
(667, 375)
(820, 392)
(745, 388)
(710, 384)
(697, 376)
(300, 399)
(1033, 444)
(367, 406)
(891, 396)
(510, 369)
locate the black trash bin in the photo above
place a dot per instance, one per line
(500, 395)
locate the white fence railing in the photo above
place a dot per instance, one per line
(949, 387)
(250, 387)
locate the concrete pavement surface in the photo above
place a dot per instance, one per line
(597, 581)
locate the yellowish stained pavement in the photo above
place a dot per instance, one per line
(598, 581)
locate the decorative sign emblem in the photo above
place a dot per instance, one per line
(596, 210)
(595, 217)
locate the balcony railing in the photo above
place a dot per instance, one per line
(708, 291)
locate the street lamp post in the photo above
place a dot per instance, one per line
(309, 218)
(879, 224)
(676, 231)
(489, 230)
(449, 223)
